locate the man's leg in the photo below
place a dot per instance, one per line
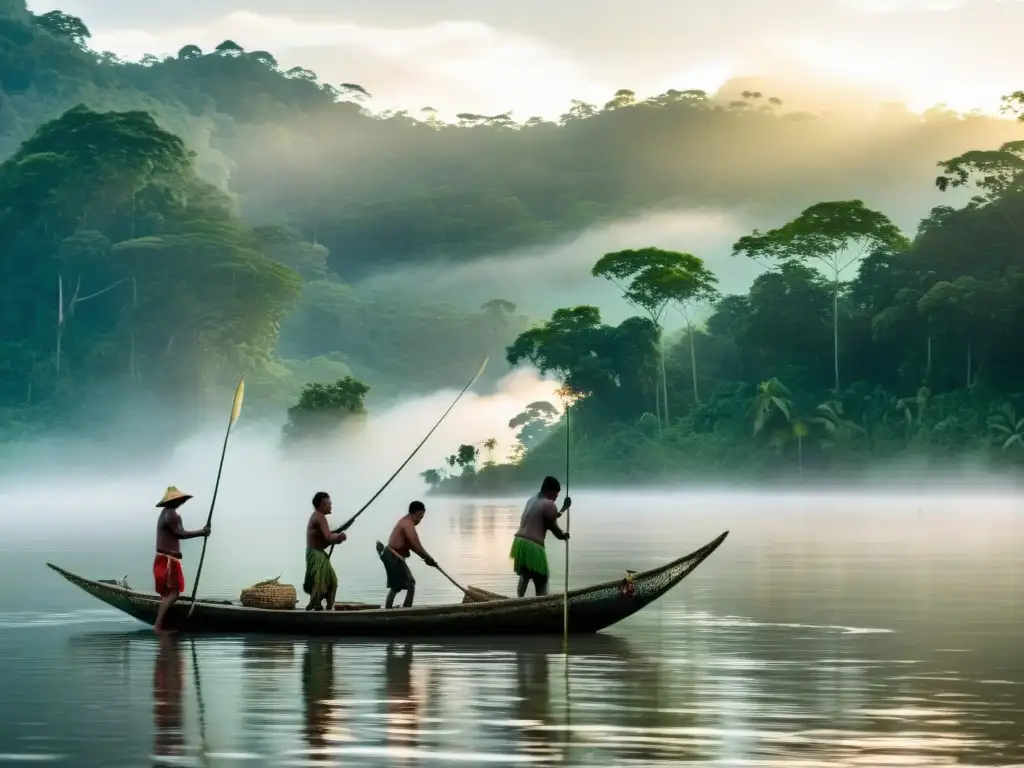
(540, 585)
(165, 605)
(410, 593)
(524, 582)
(390, 602)
(332, 585)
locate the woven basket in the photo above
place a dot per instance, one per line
(270, 594)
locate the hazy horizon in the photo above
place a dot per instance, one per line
(458, 56)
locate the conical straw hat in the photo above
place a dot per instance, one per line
(173, 494)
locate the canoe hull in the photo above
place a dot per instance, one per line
(590, 610)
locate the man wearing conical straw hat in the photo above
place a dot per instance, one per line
(167, 573)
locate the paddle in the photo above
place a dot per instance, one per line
(453, 581)
(475, 595)
(345, 526)
(236, 409)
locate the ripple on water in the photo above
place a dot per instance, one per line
(807, 641)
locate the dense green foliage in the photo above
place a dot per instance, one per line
(391, 188)
(927, 333)
(168, 223)
(322, 407)
(120, 265)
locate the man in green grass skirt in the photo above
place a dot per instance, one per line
(529, 557)
(320, 582)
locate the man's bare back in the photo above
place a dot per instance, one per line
(540, 516)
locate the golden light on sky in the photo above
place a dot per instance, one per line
(533, 58)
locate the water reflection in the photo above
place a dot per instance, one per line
(817, 638)
(317, 694)
(710, 690)
(404, 709)
(532, 707)
(168, 710)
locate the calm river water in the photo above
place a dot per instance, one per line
(826, 631)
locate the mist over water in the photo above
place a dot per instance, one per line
(265, 489)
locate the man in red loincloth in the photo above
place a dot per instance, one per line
(167, 573)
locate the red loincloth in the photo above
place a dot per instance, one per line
(168, 575)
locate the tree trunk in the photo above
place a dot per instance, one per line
(60, 316)
(135, 304)
(800, 454)
(968, 365)
(928, 360)
(657, 403)
(664, 380)
(835, 330)
(693, 361)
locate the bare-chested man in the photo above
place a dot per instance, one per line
(321, 581)
(529, 557)
(403, 541)
(167, 574)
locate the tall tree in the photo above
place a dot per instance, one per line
(836, 235)
(610, 363)
(653, 279)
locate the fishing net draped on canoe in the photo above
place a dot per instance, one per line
(269, 594)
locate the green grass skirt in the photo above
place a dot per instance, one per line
(320, 577)
(528, 557)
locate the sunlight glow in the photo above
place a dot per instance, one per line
(907, 77)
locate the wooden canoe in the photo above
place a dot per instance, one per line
(591, 609)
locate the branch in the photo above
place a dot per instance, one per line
(98, 293)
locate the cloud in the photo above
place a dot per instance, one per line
(488, 69)
(897, 6)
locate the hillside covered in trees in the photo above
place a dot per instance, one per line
(167, 223)
(858, 349)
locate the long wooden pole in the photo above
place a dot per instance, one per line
(345, 526)
(568, 520)
(236, 409)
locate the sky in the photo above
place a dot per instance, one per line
(533, 56)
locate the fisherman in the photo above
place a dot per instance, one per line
(529, 557)
(321, 581)
(403, 540)
(167, 573)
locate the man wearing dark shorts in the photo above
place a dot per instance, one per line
(394, 556)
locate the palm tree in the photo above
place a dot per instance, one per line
(489, 445)
(772, 398)
(912, 409)
(774, 414)
(1007, 430)
(831, 417)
